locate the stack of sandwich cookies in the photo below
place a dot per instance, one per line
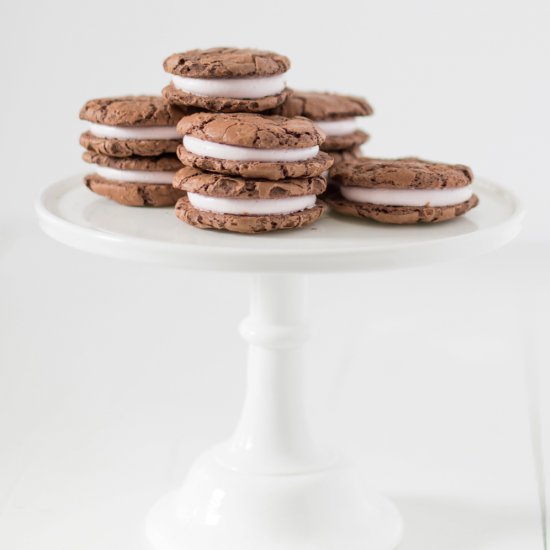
(402, 191)
(227, 79)
(336, 115)
(132, 141)
(275, 166)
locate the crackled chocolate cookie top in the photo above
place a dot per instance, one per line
(405, 173)
(162, 163)
(141, 110)
(324, 106)
(252, 130)
(219, 185)
(226, 63)
(133, 194)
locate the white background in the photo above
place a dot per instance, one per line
(113, 376)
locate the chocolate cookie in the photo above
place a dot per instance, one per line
(246, 223)
(399, 215)
(404, 173)
(227, 79)
(266, 170)
(142, 110)
(324, 106)
(345, 141)
(217, 185)
(131, 125)
(128, 147)
(252, 145)
(134, 181)
(401, 191)
(133, 194)
(226, 63)
(161, 163)
(334, 113)
(252, 130)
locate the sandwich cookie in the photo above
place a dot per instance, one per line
(227, 79)
(253, 145)
(402, 191)
(335, 114)
(131, 125)
(247, 205)
(134, 181)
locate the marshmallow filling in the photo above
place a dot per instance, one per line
(258, 207)
(211, 149)
(135, 176)
(233, 88)
(408, 197)
(127, 132)
(340, 127)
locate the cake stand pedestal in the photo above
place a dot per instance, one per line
(270, 486)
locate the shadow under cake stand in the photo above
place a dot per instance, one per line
(270, 485)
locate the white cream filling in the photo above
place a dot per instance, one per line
(211, 149)
(337, 127)
(126, 132)
(251, 206)
(408, 197)
(135, 176)
(235, 88)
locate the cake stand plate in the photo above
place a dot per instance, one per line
(270, 486)
(71, 214)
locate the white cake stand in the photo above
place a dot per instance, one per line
(270, 486)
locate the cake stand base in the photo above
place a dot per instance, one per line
(222, 509)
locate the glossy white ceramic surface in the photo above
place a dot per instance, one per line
(270, 485)
(219, 509)
(72, 214)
